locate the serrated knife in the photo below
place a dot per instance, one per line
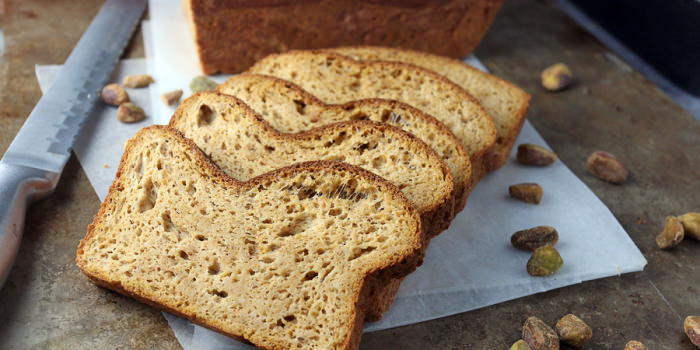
(33, 163)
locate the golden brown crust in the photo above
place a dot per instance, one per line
(455, 27)
(498, 155)
(209, 170)
(507, 144)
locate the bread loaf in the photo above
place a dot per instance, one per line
(284, 260)
(231, 35)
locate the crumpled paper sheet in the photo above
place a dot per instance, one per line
(469, 266)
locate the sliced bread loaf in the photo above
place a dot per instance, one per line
(244, 145)
(506, 102)
(283, 260)
(335, 78)
(290, 109)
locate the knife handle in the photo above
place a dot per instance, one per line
(19, 187)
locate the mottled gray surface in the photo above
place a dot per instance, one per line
(47, 303)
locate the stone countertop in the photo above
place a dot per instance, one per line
(48, 303)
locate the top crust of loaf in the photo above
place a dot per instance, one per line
(335, 78)
(290, 109)
(446, 27)
(244, 145)
(506, 102)
(176, 232)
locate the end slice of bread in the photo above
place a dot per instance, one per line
(284, 260)
(290, 109)
(244, 145)
(336, 79)
(506, 102)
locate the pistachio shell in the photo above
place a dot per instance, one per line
(520, 345)
(635, 345)
(130, 113)
(202, 83)
(545, 261)
(606, 167)
(114, 95)
(535, 237)
(539, 336)
(137, 80)
(573, 331)
(556, 77)
(171, 97)
(691, 225)
(672, 234)
(531, 154)
(527, 192)
(692, 329)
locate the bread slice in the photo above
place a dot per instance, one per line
(290, 109)
(335, 78)
(284, 260)
(506, 102)
(244, 146)
(240, 142)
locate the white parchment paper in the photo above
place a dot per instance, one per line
(470, 266)
(100, 144)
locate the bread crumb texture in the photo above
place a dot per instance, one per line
(244, 146)
(290, 109)
(279, 260)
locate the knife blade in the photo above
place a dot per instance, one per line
(32, 164)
